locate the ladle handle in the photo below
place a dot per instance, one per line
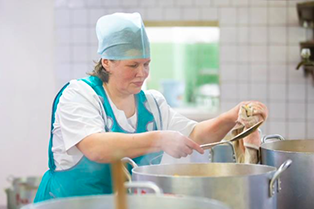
(276, 176)
(118, 178)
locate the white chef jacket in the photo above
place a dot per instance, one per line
(80, 113)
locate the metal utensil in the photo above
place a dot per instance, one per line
(235, 138)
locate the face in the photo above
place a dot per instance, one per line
(127, 76)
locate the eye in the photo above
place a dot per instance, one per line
(133, 66)
(146, 64)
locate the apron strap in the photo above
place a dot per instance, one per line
(154, 107)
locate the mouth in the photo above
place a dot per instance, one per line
(139, 84)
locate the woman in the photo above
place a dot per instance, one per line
(107, 113)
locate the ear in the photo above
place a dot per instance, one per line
(105, 64)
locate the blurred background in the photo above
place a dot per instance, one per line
(207, 56)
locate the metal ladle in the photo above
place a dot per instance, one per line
(235, 138)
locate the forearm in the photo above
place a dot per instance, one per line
(215, 129)
(103, 147)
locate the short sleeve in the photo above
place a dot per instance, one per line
(79, 113)
(171, 119)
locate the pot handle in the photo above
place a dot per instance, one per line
(273, 136)
(125, 170)
(276, 176)
(144, 185)
(212, 153)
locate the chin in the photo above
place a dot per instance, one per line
(136, 90)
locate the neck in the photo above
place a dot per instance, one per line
(122, 101)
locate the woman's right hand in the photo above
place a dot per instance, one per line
(178, 145)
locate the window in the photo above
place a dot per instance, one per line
(185, 63)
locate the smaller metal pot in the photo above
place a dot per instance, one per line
(22, 191)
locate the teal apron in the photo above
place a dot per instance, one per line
(88, 177)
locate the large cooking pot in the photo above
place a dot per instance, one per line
(298, 188)
(241, 186)
(147, 201)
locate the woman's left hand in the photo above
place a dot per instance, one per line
(258, 109)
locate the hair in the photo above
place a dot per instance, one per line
(100, 71)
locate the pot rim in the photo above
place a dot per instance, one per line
(272, 170)
(265, 146)
(204, 200)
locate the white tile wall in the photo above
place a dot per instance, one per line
(292, 16)
(296, 111)
(277, 73)
(227, 16)
(293, 54)
(277, 127)
(259, 73)
(78, 17)
(209, 13)
(258, 16)
(202, 3)
(277, 16)
(296, 130)
(243, 91)
(243, 75)
(258, 35)
(240, 3)
(310, 92)
(310, 112)
(277, 92)
(277, 54)
(221, 3)
(172, 13)
(277, 110)
(228, 72)
(62, 17)
(296, 92)
(296, 35)
(276, 3)
(258, 54)
(79, 35)
(277, 35)
(243, 54)
(258, 3)
(190, 13)
(243, 34)
(310, 130)
(258, 92)
(63, 53)
(259, 50)
(228, 34)
(228, 90)
(94, 3)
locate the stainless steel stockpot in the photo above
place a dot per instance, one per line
(298, 181)
(241, 186)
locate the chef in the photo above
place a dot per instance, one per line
(106, 113)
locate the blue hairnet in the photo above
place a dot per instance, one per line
(122, 36)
